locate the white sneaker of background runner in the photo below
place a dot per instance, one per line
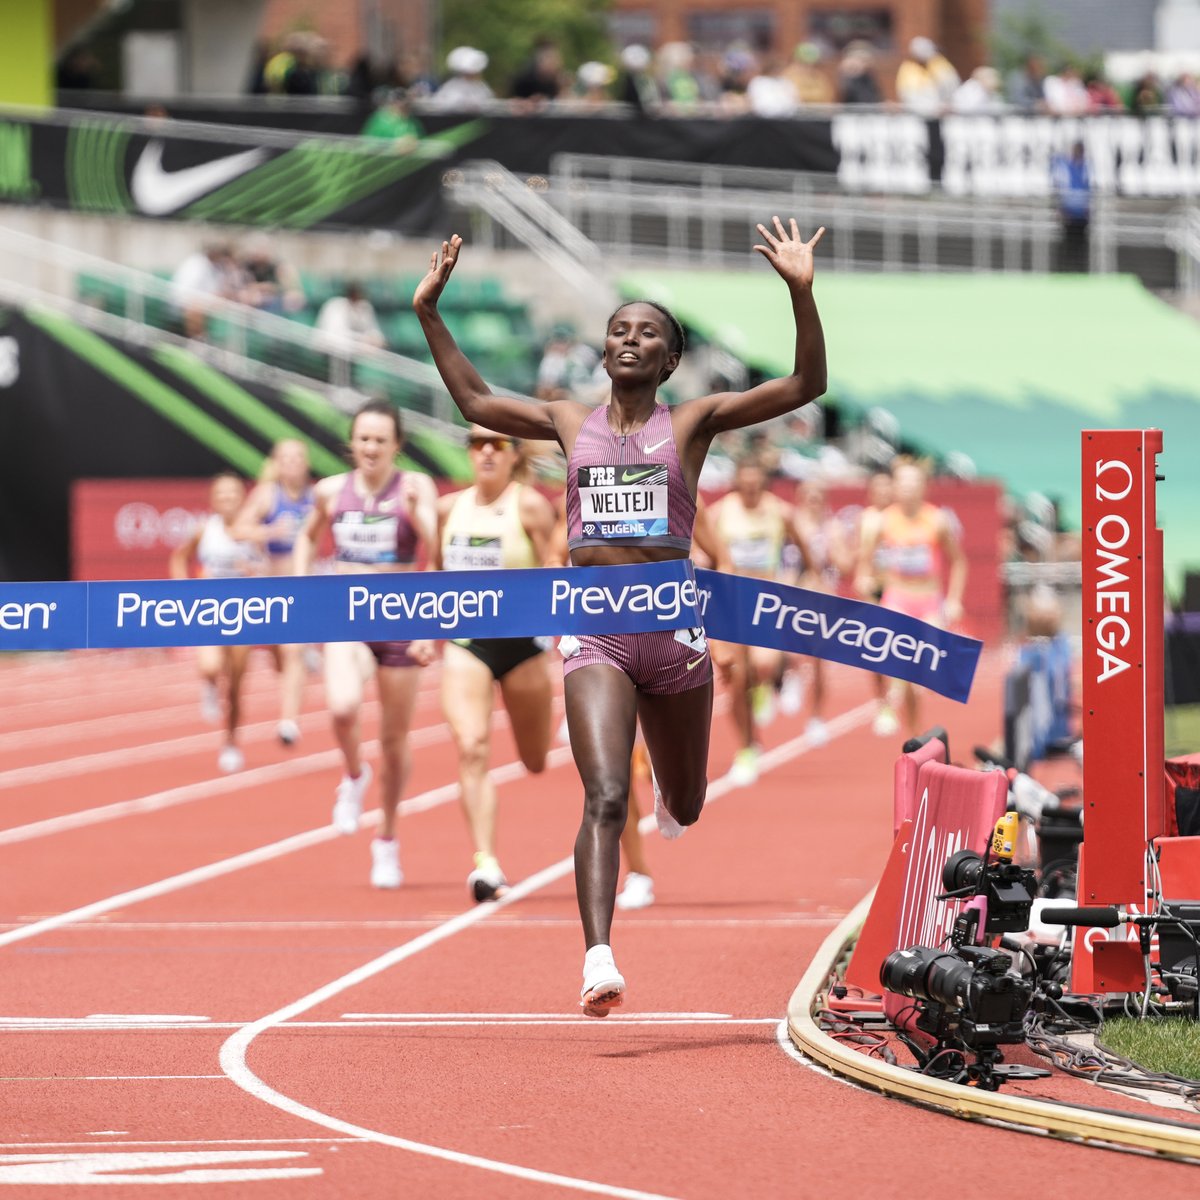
(385, 863)
(348, 806)
(638, 892)
(667, 825)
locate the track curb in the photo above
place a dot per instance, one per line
(1056, 1119)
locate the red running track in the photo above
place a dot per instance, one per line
(199, 985)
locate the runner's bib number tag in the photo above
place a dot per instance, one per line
(753, 554)
(625, 501)
(466, 553)
(914, 561)
(366, 537)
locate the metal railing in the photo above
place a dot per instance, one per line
(693, 214)
(247, 341)
(497, 197)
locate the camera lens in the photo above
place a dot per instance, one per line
(962, 870)
(926, 974)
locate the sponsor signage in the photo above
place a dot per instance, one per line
(110, 162)
(755, 612)
(1122, 663)
(473, 604)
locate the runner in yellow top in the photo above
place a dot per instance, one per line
(753, 525)
(915, 543)
(497, 523)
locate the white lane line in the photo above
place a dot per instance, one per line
(233, 1052)
(222, 785)
(93, 1079)
(251, 858)
(617, 1018)
(518, 923)
(186, 1142)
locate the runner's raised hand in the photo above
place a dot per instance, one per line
(788, 253)
(430, 288)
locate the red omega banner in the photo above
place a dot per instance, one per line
(1122, 663)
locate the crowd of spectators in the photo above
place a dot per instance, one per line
(679, 78)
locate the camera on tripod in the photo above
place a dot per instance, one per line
(969, 998)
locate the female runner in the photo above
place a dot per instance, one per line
(220, 554)
(272, 517)
(380, 517)
(498, 522)
(663, 679)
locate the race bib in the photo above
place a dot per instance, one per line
(625, 501)
(753, 554)
(366, 537)
(466, 553)
(916, 560)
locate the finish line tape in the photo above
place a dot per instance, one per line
(475, 604)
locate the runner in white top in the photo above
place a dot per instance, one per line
(219, 555)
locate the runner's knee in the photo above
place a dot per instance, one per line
(606, 802)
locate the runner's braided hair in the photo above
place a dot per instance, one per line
(678, 339)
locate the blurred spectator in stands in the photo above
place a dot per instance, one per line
(393, 121)
(980, 93)
(592, 82)
(771, 93)
(709, 70)
(636, 85)
(79, 70)
(676, 81)
(1023, 87)
(1183, 96)
(926, 82)
(739, 66)
(568, 366)
(465, 89)
(348, 320)
(541, 78)
(857, 82)
(292, 71)
(811, 84)
(256, 80)
(1146, 95)
(1065, 92)
(415, 75)
(1102, 96)
(268, 283)
(1073, 186)
(206, 276)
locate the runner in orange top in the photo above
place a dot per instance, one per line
(915, 543)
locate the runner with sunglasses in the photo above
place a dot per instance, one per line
(498, 522)
(634, 454)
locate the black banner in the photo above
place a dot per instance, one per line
(162, 168)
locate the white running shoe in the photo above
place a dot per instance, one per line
(638, 892)
(886, 723)
(667, 825)
(348, 806)
(385, 863)
(791, 694)
(564, 733)
(210, 702)
(744, 772)
(603, 985)
(487, 881)
(816, 731)
(288, 732)
(230, 760)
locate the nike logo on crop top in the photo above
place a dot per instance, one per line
(651, 449)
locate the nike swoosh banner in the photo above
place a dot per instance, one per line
(467, 604)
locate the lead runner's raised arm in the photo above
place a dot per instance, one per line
(792, 258)
(475, 400)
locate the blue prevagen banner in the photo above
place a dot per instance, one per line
(474, 604)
